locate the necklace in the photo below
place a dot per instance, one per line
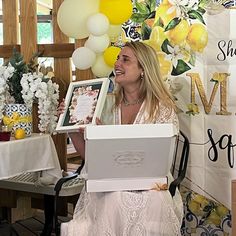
(127, 103)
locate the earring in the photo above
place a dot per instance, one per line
(142, 75)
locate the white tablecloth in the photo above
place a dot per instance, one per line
(36, 153)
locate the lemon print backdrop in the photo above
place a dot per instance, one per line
(196, 46)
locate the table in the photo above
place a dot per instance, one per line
(36, 153)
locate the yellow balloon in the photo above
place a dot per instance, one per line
(117, 11)
(110, 55)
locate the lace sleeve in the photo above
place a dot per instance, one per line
(167, 115)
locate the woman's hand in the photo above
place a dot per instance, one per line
(98, 121)
(81, 131)
(77, 139)
(61, 107)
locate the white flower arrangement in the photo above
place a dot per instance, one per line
(37, 86)
(21, 83)
(6, 72)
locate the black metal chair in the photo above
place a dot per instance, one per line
(183, 162)
(72, 185)
(181, 153)
(51, 203)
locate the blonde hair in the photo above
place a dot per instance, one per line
(152, 89)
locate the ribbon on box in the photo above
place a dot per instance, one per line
(160, 187)
(15, 118)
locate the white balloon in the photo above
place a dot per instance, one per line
(83, 58)
(72, 17)
(97, 43)
(100, 68)
(114, 32)
(98, 24)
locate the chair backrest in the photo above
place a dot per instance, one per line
(182, 142)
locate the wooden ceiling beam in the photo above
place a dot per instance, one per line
(63, 50)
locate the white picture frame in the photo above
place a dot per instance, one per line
(83, 103)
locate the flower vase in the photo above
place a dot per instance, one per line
(18, 116)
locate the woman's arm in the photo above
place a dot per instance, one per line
(77, 139)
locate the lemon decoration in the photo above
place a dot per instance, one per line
(185, 51)
(213, 218)
(219, 77)
(197, 37)
(201, 199)
(20, 134)
(192, 109)
(156, 39)
(165, 65)
(178, 34)
(222, 211)
(163, 12)
(195, 207)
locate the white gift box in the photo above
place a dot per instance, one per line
(128, 157)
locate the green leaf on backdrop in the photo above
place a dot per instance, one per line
(196, 15)
(175, 21)
(138, 17)
(151, 5)
(141, 7)
(145, 31)
(159, 22)
(164, 47)
(180, 68)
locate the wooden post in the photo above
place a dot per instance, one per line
(10, 36)
(62, 66)
(10, 22)
(63, 74)
(28, 26)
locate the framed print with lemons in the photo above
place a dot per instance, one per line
(83, 103)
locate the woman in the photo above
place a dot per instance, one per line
(140, 97)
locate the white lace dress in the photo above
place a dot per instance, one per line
(128, 213)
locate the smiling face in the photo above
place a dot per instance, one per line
(127, 68)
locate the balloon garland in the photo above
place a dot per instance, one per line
(100, 21)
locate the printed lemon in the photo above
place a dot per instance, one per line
(213, 218)
(219, 77)
(19, 134)
(199, 198)
(165, 65)
(158, 35)
(222, 211)
(197, 37)
(194, 207)
(178, 34)
(149, 22)
(156, 39)
(164, 13)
